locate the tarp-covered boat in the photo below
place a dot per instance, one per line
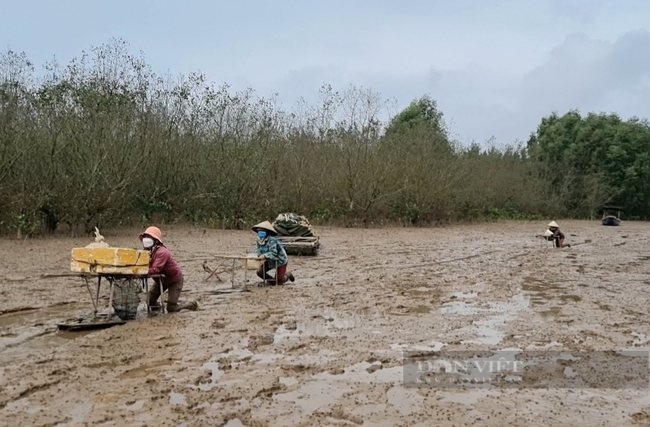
(296, 234)
(611, 216)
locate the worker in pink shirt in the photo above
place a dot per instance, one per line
(161, 261)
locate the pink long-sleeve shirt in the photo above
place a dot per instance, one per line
(162, 262)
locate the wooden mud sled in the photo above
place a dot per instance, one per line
(126, 273)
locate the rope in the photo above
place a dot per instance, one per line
(94, 263)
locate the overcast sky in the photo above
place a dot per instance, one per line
(494, 66)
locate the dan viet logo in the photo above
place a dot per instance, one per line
(538, 369)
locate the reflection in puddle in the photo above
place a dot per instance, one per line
(216, 374)
(488, 330)
(177, 398)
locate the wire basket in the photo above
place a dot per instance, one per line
(126, 298)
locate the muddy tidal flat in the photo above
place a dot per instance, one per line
(328, 349)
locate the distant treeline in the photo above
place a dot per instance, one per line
(105, 141)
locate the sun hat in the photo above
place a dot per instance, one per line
(553, 224)
(265, 226)
(152, 232)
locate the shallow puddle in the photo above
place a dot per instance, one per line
(177, 399)
(288, 381)
(145, 370)
(366, 410)
(216, 374)
(137, 405)
(460, 307)
(80, 411)
(326, 324)
(22, 405)
(40, 315)
(467, 397)
(365, 372)
(431, 347)
(489, 331)
(464, 295)
(405, 401)
(313, 395)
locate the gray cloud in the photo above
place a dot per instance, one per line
(590, 75)
(495, 67)
(580, 73)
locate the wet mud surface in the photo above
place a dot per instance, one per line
(327, 350)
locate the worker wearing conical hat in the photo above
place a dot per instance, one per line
(161, 261)
(269, 249)
(558, 235)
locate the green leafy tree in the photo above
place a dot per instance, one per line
(595, 159)
(421, 114)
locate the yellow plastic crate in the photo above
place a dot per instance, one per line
(110, 261)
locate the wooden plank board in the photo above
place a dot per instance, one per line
(297, 239)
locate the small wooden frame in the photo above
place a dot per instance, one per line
(248, 262)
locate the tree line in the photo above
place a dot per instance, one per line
(105, 141)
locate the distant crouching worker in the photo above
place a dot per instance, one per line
(558, 236)
(269, 249)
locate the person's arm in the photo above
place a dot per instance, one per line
(272, 252)
(560, 234)
(160, 259)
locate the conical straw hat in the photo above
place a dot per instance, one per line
(553, 224)
(265, 226)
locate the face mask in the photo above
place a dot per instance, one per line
(261, 234)
(147, 242)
